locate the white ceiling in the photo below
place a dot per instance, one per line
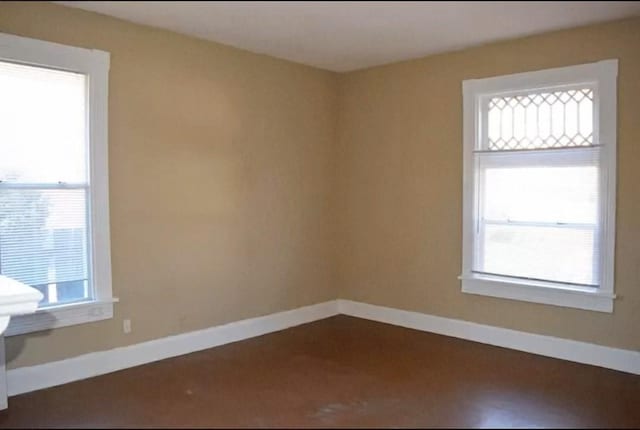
(345, 36)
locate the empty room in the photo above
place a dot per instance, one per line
(319, 214)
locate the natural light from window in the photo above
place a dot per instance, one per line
(539, 182)
(44, 171)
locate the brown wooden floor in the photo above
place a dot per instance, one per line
(342, 372)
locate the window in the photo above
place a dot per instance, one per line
(54, 216)
(539, 186)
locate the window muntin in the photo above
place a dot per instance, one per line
(43, 136)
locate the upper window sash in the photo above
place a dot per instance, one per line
(529, 117)
(599, 76)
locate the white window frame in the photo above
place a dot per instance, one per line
(95, 65)
(602, 77)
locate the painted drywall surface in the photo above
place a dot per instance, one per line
(400, 183)
(220, 164)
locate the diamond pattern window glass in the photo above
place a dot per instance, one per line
(541, 120)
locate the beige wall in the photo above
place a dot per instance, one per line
(219, 172)
(400, 143)
(243, 185)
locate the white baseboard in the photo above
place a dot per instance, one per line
(571, 350)
(25, 379)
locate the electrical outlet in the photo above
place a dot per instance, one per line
(126, 326)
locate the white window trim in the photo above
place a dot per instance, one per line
(604, 75)
(95, 64)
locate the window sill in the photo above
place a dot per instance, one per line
(61, 316)
(539, 292)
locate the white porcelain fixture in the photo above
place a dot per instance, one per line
(16, 298)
